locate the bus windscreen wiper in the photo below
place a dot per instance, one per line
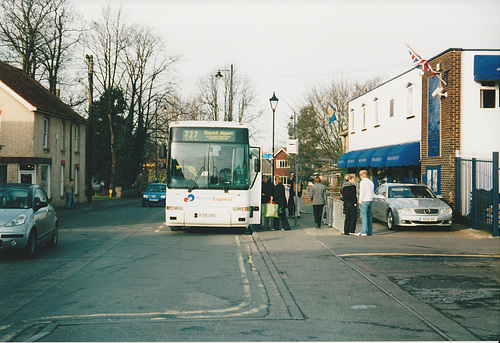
(202, 169)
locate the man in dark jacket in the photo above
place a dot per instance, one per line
(267, 196)
(280, 198)
(350, 204)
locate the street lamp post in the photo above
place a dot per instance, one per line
(274, 103)
(219, 74)
(88, 149)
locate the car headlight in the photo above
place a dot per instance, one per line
(145, 196)
(163, 196)
(446, 210)
(402, 211)
(19, 220)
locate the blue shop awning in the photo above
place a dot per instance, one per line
(407, 154)
(486, 67)
(404, 155)
(365, 157)
(352, 159)
(379, 158)
(341, 163)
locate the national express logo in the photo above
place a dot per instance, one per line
(189, 198)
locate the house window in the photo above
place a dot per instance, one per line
(391, 108)
(62, 179)
(76, 180)
(352, 121)
(282, 164)
(62, 135)
(45, 133)
(3, 173)
(375, 111)
(409, 99)
(488, 94)
(364, 116)
(76, 131)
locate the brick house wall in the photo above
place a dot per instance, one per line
(450, 125)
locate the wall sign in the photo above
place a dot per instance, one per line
(433, 119)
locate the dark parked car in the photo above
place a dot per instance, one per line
(27, 218)
(402, 204)
(155, 194)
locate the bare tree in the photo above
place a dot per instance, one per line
(107, 42)
(62, 33)
(324, 135)
(237, 93)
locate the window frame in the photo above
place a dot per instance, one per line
(489, 86)
(45, 133)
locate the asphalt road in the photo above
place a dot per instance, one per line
(119, 274)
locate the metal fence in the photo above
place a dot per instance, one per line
(477, 192)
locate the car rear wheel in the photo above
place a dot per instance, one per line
(390, 221)
(30, 249)
(52, 242)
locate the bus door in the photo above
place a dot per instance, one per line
(255, 190)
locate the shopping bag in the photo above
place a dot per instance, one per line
(271, 210)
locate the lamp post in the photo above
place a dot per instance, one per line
(88, 148)
(229, 116)
(274, 103)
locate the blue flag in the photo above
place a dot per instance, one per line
(332, 111)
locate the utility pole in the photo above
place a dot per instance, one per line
(88, 145)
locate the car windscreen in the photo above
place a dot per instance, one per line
(410, 192)
(13, 197)
(156, 188)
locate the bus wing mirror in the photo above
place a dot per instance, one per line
(257, 166)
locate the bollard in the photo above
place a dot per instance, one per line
(110, 193)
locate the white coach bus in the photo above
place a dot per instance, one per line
(213, 176)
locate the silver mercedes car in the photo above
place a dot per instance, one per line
(27, 218)
(402, 204)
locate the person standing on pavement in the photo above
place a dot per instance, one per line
(267, 196)
(291, 195)
(69, 189)
(350, 199)
(280, 198)
(318, 200)
(365, 203)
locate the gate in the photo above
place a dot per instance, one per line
(477, 192)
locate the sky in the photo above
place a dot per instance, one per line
(290, 46)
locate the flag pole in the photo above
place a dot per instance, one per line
(432, 70)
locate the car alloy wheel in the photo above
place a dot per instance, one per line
(55, 237)
(390, 221)
(30, 249)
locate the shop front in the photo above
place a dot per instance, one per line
(392, 163)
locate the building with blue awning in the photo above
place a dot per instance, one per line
(412, 127)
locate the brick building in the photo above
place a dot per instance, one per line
(42, 140)
(413, 126)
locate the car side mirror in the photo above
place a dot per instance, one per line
(40, 205)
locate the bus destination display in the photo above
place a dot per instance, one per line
(197, 134)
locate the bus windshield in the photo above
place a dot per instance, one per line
(208, 166)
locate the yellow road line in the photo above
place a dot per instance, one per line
(416, 254)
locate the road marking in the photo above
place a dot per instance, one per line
(292, 306)
(416, 255)
(233, 311)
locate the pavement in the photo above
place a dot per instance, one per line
(306, 221)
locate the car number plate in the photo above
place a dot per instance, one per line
(153, 199)
(428, 219)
